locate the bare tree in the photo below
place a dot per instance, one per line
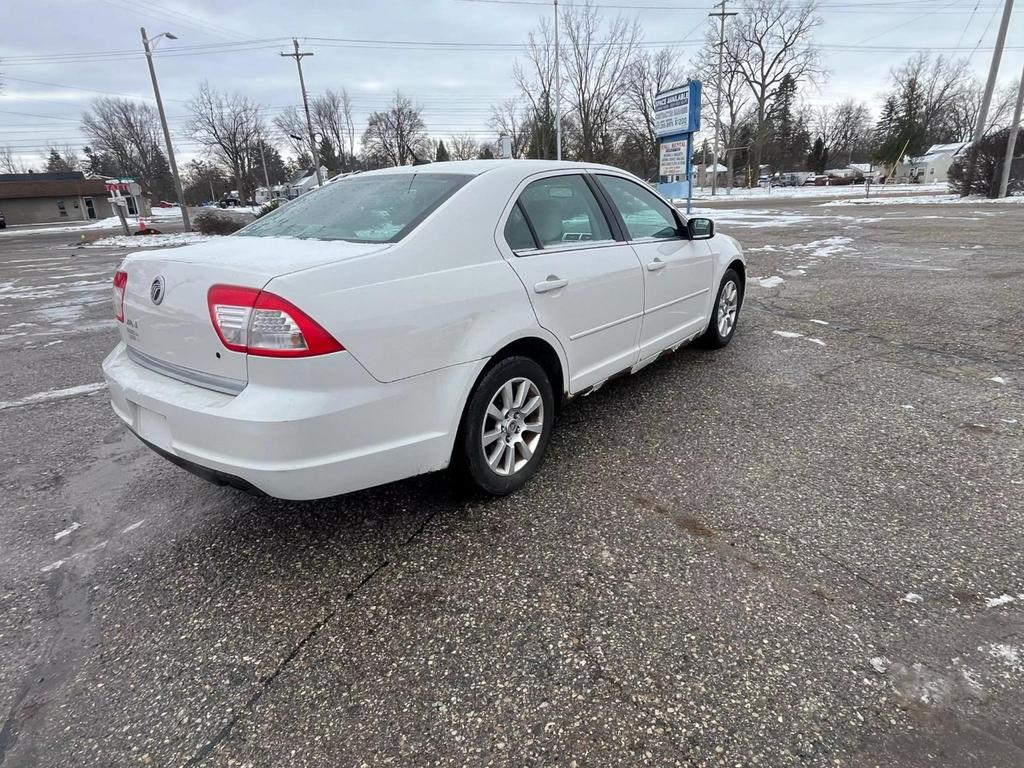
(769, 41)
(646, 76)
(736, 95)
(12, 163)
(332, 117)
(961, 113)
(940, 84)
(292, 130)
(844, 128)
(597, 62)
(509, 118)
(396, 136)
(536, 82)
(463, 147)
(129, 133)
(229, 126)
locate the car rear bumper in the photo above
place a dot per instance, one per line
(301, 429)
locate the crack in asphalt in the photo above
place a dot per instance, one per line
(207, 749)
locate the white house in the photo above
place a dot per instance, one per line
(701, 175)
(303, 181)
(933, 165)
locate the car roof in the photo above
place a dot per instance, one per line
(521, 168)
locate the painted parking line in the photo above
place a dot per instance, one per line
(54, 394)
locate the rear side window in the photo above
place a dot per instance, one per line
(563, 210)
(362, 209)
(642, 212)
(517, 231)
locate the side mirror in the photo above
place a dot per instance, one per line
(700, 228)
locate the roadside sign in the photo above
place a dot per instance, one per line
(672, 158)
(677, 110)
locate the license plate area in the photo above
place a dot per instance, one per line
(152, 427)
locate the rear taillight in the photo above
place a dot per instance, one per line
(262, 323)
(120, 284)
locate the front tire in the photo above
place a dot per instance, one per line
(726, 312)
(506, 426)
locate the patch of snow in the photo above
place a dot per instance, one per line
(880, 664)
(827, 247)
(998, 379)
(149, 241)
(907, 407)
(53, 394)
(995, 602)
(1011, 655)
(813, 340)
(819, 322)
(133, 526)
(67, 531)
(944, 199)
(912, 597)
(788, 334)
(767, 282)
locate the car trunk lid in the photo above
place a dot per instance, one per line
(167, 325)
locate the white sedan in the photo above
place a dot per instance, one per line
(406, 320)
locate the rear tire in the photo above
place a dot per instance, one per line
(506, 427)
(726, 312)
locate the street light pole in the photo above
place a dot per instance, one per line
(558, 92)
(305, 103)
(163, 121)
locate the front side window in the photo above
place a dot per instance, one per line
(362, 209)
(642, 212)
(563, 210)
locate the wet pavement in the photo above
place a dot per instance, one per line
(804, 549)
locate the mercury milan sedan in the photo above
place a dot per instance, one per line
(411, 319)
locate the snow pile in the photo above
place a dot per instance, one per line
(767, 282)
(886, 199)
(810, 191)
(150, 241)
(752, 218)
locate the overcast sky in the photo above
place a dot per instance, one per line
(74, 48)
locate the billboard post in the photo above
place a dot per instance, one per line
(676, 119)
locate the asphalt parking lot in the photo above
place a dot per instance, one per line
(804, 549)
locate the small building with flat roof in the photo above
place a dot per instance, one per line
(44, 198)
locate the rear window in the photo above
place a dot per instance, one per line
(361, 209)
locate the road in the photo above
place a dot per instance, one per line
(804, 549)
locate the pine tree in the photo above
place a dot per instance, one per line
(329, 157)
(442, 152)
(817, 158)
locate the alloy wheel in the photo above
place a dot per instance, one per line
(512, 426)
(728, 306)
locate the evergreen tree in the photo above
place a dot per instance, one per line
(817, 158)
(442, 152)
(56, 163)
(329, 157)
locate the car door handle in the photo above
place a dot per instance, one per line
(553, 283)
(654, 266)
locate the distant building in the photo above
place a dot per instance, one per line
(42, 198)
(933, 165)
(303, 181)
(702, 175)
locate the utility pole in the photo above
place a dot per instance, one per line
(558, 92)
(979, 127)
(305, 103)
(163, 121)
(1011, 141)
(721, 16)
(263, 157)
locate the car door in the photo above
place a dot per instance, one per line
(678, 272)
(585, 284)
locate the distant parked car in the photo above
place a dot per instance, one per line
(229, 202)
